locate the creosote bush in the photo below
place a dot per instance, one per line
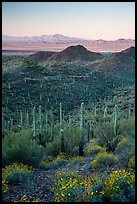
(104, 160)
(19, 147)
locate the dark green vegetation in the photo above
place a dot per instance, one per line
(71, 116)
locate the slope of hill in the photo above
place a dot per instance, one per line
(41, 56)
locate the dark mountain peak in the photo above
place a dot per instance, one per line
(76, 53)
(129, 50)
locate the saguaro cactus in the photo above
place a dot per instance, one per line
(27, 119)
(105, 111)
(92, 129)
(61, 131)
(52, 127)
(115, 120)
(95, 111)
(81, 144)
(21, 119)
(129, 110)
(34, 124)
(40, 119)
(88, 131)
(46, 127)
(60, 116)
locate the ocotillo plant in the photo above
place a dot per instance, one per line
(81, 144)
(115, 120)
(34, 124)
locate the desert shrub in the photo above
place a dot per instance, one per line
(131, 163)
(76, 159)
(59, 161)
(126, 127)
(104, 160)
(16, 177)
(69, 186)
(19, 147)
(13, 174)
(125, 150)
(53, 148)
(119, 186)
(104, 132)
(91, 149)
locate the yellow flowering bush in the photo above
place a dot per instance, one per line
(119, 185)
(9, 170)
(94, 149)
(131, 163)
(70, 186)
(104, 159)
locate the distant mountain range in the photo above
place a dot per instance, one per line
(60, 42)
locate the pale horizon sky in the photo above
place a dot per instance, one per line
(89, 20)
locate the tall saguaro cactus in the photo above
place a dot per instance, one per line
(34, 124)
(115, 120)
(60, 116)
(46, 127)
(61, 131)
(27, 119)
(52, 127)
(81, 144)
(21, 119)
(105, 111)
(40, 119)
(129, 110)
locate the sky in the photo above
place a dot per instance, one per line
(88, 20)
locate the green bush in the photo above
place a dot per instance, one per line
(16, 177)
(19, 147)
(104, 160)
(119, 186)
(94, 149)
